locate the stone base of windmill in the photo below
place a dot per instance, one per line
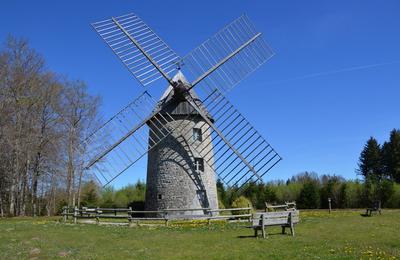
(174, 181)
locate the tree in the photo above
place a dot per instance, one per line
(78, 120)
(309, 197)
(43, 121)
(331, 188)
(370, 162)
(90, 194)
(391, 156)
(222, 196)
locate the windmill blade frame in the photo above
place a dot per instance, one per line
(139, 48)
(128, 136)
(240, 153)
(227, 57)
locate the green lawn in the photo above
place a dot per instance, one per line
(342, 234)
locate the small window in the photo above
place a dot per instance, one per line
(197, 134)
(160, 196)
(199, 164)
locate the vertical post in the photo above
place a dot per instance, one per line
(263, 227)
(209, 213)
(97, 215)
(330, 207)
(129, 215)
(75, 214)
(250, 213)
(291, 223)
(65, 212)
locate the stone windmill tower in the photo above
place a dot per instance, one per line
(193, 134)
(177, 177)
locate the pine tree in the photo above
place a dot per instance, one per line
(309, 197)
(391, 156)
(370, 163)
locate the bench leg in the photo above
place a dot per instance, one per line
(264, 232)
(292, 229)
(255, 232)
(283, 230)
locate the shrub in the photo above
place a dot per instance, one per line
(221, 204)
(241, 202)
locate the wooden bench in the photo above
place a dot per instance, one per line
(283, 218)
(286, 206)
(376, 207)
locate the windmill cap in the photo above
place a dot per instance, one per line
(176, 104)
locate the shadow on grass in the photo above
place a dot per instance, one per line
(268, 235)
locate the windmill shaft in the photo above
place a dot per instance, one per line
(190, 100)
(225, 60)
(142, 51)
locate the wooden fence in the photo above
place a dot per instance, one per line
(165, 216)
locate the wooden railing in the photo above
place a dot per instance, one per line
(167, 215)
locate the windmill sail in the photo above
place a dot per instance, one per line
(228, 56)
(142, 52)
(240, 153)
(126, 138)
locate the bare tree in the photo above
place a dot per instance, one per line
(43, 122)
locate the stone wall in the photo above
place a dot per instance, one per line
(172, 179)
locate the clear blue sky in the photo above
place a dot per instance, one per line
(319, 122)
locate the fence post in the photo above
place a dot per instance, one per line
(97, 215)
(130, 216)
(329, 202)
(250, 212)
(65, 214)
(75, 214)
(165, 215)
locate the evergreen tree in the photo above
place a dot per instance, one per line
(391, 156)
(370, 163)
(90, 194)
(222, 196)
(309, 197)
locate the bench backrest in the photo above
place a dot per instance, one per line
(276, 218)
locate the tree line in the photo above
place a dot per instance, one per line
(44, 118)
(379, 167)
(308, 189)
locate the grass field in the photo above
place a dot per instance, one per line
(340, 235)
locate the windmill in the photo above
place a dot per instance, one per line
(192, 133)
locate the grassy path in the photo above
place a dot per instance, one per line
(340, 235)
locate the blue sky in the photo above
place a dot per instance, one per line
(333, 83)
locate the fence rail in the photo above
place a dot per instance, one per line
(166, 215)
